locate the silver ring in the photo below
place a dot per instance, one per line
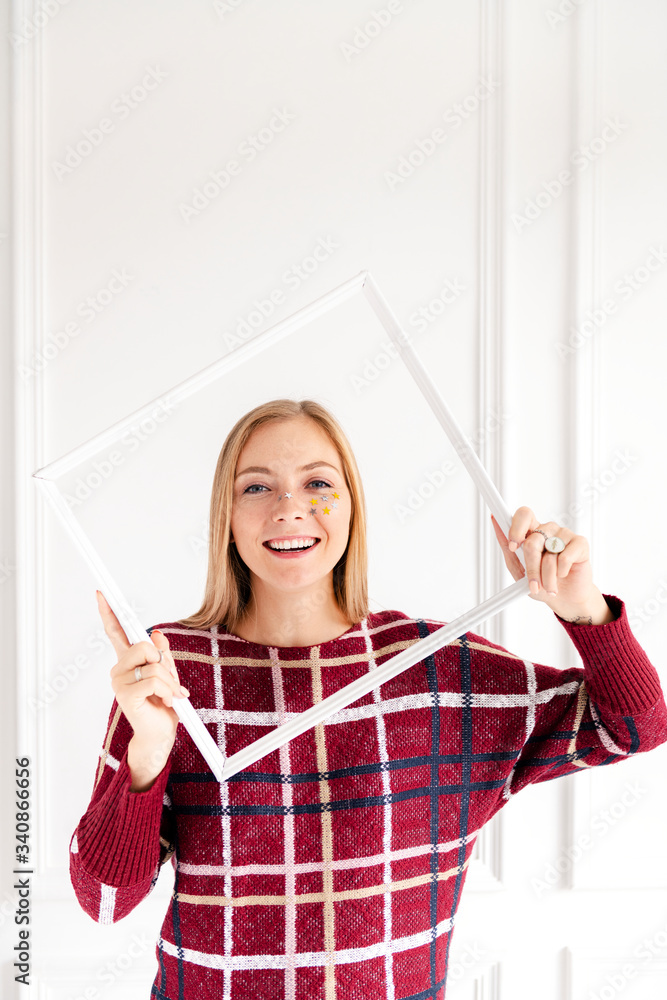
(137, 673)
(533, 530)
(554, 544)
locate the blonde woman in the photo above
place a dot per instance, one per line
(334, 866)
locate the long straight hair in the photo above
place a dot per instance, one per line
(228, 586)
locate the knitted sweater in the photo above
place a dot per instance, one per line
(333, 867)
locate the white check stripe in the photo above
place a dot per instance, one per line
(225, 819)
(108, 759)
(288, 828)
(446, 699)
(531, 684)
(341, 864)
(386, 842)
(107, 903)
(304, 959)
(74, 847)
(603, 733)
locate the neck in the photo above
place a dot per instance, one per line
(303, 618)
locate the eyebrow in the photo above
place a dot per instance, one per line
(268, 472)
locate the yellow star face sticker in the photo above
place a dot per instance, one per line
(336, 496)
(326, 511)
(314, 500)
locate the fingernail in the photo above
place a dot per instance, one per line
(512, 546)
(185, 692)
(552, 593)
(534, 587)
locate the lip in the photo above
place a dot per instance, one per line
(290, 553)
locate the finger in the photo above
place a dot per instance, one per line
(541, 566)
(511, 560)
(549, 571)
(575, 551)
(522, 521)
(556, 566)
(147, 686)
(139, 654)
(152, 669)
(161, 643)
(533, 550)
(112, 626)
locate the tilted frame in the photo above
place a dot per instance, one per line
(222, 767)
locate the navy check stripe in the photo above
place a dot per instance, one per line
(340, 805)
(432, 675)
(202, 777)
(466, 768)
(634, 735)
(563, 734)
(426, 994)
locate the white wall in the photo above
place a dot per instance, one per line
(553, 412)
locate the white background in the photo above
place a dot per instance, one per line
(565, 414)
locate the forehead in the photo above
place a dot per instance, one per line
(289, 438)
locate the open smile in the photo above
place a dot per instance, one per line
(292, 553)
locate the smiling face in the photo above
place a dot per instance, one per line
(294, 460)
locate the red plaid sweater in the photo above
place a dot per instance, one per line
(333, 868)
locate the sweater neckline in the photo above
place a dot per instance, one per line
(292, 649)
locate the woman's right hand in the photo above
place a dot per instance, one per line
(146, 703)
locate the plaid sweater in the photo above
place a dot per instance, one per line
(333, 867)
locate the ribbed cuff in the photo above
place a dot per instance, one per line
(119, 836)
(617, 671)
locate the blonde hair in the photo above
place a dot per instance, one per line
(228, 588)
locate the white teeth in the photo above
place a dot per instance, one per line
(291, 545)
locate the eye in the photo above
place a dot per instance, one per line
(252, 486)
(324, 485)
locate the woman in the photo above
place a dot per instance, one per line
(335, 863)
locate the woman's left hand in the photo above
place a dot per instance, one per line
(563, 581)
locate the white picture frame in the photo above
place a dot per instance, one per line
(362, 283)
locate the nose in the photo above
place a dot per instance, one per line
(287, 507)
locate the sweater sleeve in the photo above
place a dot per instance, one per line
(123, 837)
(606, 712)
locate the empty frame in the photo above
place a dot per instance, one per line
(46, 477)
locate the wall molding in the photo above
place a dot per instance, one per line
(583, 431)
(28, 311)
(490, 351)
